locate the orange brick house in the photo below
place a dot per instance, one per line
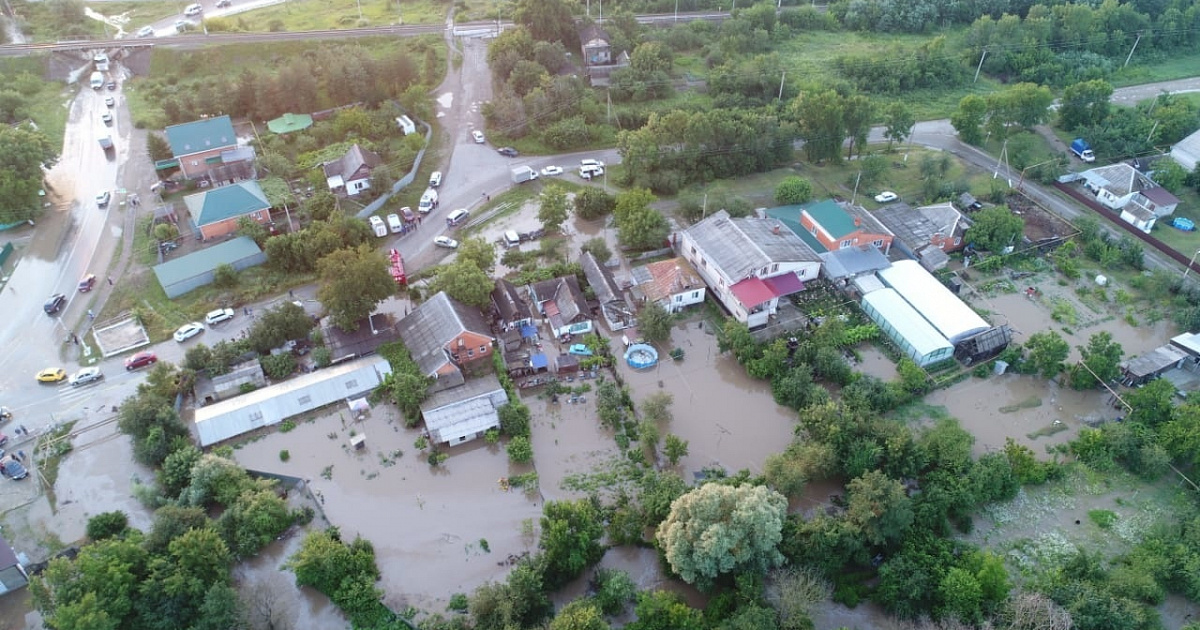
(198, 145)
(444, 336)
(216, 211)
(836, 227)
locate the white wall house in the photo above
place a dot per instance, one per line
(673, 284)
(748, 263)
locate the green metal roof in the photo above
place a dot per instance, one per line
(205, 260)
(218, 204)
(201, 135)
(789, 216)
(830, 216)
(290, 122)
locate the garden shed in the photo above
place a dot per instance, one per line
(193, 271)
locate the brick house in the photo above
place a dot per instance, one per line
(216, 211)
(445, 336)
(198, 145)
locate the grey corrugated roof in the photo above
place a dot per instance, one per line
(8, 557)
(433, 324)
(916, 226)
(600, 279)
(564, 292)
(1154, 361)
(741, 246)
(355, 158)
(853, 261)
(205, 260)
(465, 410)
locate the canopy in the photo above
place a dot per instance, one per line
(289, 122)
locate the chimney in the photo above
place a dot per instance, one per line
(857, 222)
(775, 229)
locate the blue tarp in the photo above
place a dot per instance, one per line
(528, 331)
(539, 361)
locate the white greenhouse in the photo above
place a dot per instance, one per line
(948, 314)
(915, 336)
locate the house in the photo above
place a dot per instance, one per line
(1139, 217)
(351, 173)
(561, 302)
(926, 233)
(368, 334)
(509, 309)
(1158, 201)
(673, 284)
(407, 126)
(1116, 184)
(596, 46)
(835, 226)
(444, 336)
(192, 271)
(617, 314)
(198, 145)
(843, 265)
(12, 573)
(215, 212)
(463, 413)
(1187, 152)
(748, 263)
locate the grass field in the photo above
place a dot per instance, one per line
(314, 15)
(47, 102)
(1150, 70)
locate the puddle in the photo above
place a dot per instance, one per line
(446, 100)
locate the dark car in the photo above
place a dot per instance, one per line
(507, 151)
(55, 303)
(87, 283)
(112, 85)
(141, 359)
(221, 4)
(13, 469)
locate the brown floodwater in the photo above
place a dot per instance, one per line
(270, 592)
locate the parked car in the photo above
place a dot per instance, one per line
(507, 152)
(187, 331)
(51, 375)
(141, 359)
(146, 31)
(193, 9)
(580, 350)
(112, 86)
(87, 283)
(103, 197)
(590, 163)
(445, 241)
(221, 4)
(408, 215)
(13, 469)
(85, 376)
(218, 316)
(106, 118)
(110, 101)
(394, 224)
(377, 226)
(435, 179)
(182, 25)
(55, 303)
(478, 136)
(551, 171)
(886, 196)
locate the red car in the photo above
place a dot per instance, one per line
(87, 283)
(141, 359)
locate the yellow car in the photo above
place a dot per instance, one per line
(51, 375)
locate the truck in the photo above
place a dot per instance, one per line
(106, 142)
(522, 174)
(1083, 150)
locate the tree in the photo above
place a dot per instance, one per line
(793, 190)
(579, 615)
(107, 525)
(718, 529)
(225, 276)
(643, 228)
(353, 282)
(961, 594)
(324, 561)
(663, 610)
(158, 147)
(655, 322)
(24, 154)
(878, 507)
(1023, 104)
(1085, 103)
(278, 325)
(520, 450)
(598, 247)
(994, 229)
(857, 114)
(899, 121)
(614, 590)
(1102, 358)
(968, 119)
(675, 448)
(570, 539)
(552, 208)
(465, 282)
(479, 252)
(1047, 351)
(547, 20)
(795, 594)
(592, 203)
(821, 120)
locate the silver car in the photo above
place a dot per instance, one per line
(85, 376)
(187, 331)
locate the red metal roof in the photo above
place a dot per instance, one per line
(752, 291)
(785, 284)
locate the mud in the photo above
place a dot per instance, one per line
(576, 232)
(1027, 316)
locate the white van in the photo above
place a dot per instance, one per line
(458, 217)
(97, 80)
(511, 239)
(378, 227)
(394, 224)
(590, 171)
(429, 201)
(590, 163)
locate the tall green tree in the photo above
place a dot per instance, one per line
(820, 117)
(592, 203)
(1102, 358)
(857, 114)
(24, 154)
(718, 529)
(899, 121)
(465, 282)
(479, 252)
(552, 207)
(994, 229)
(570, 539)
(878, 507)
(353, 282)
(1047, 351)
(547, 20)
(655, 322)
(968, 119)
(1084, 103)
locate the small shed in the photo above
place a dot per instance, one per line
(406, 125)
(12, 574)
(193, 271)
(566, 364)
(1153, 364)
(290, 122)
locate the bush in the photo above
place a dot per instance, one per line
(284, 455)
(278, 366)
(520, 450)
(458, 602)
(107, 525)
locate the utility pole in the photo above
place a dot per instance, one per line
(1133, 48)
(781, 78)
(855, 195)
(676, 10)
(1190, 263)
(981, 58)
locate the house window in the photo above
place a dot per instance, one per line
(462, 343)
(305, 400)
(703, 263)
(693, 250)
(958, 240)
(352, 384)
(482, 349)
(695, 295)
(195, 162)
(847, 243)
(678, 298)
(813, 230)
(877, 243)
(470, 354)
(455, 357)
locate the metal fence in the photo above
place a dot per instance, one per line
(408, 178)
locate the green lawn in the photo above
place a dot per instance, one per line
(1180, 66)
(313, 15)
(46, 102)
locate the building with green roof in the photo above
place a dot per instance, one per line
(190, 272)
(828, 225)
(215, 212)
(198, 145)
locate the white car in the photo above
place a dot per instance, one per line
(106, 117)
(886, 196)
(146, 31)
(193, 9)
(590, 164)
(85, 376)
(188, 331)
(218, 316)
(435, 179)
(551, 171)
(445, 241)
(102, 198)
(478, 136)
(377, 226)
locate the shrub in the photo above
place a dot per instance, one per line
(107, 525)
(520, 450)
(284, 455)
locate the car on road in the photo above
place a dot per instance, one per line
(106, 118)
(13, 469)
(218, 316)
(886, 196)
(103, 197)
(507, 152)
(54, 303)
(87, 283)
(110, 101)
(221, 4)
(435, 179)
(51, 375)
(85, 376)
(478, 136)
(112, 85)
(146, 31)
(551, 171)
(187, 331)
(589, 163)
(3, 441)
(193, 9)
(141, 359)
(445, 241)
